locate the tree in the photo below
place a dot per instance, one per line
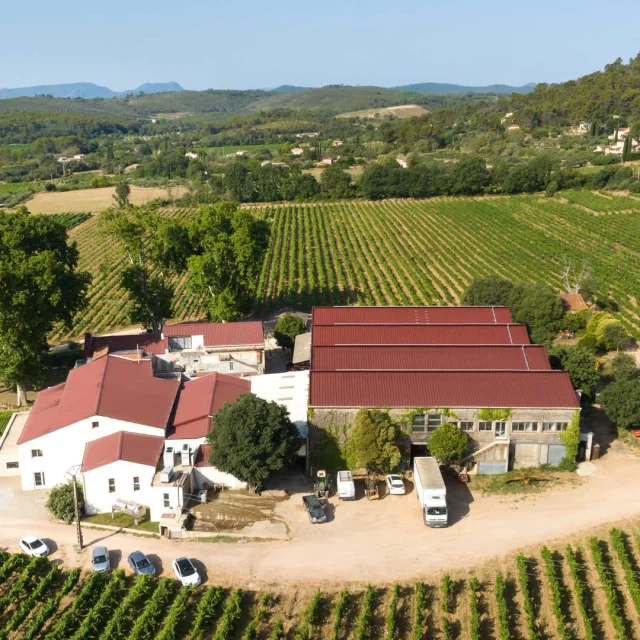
(581, 365)
(154, 248)
(540, 308)
(252, 438)
(488, 290)
(624, 367)
(615, 336)
(373, 442)
(336, 183)
(287, 328)
(39, 287)
(121, 196)
(60, 502)
(621, 402)
(448, 444)
(230, 245)
(626, 149)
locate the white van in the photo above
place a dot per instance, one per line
(346, 487)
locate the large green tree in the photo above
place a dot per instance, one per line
(287, 328)
(488, 290)
(154, 249)
(448, 444)
(621, 402)
(39, 287)
(60, 502)
(373, 442)
(540, 308)
(230, 245)
(581, 365)
(252, 438)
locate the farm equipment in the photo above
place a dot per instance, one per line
(321, 486)
(371, 487)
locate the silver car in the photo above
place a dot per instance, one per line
(100, 560)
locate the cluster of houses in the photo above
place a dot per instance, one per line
(132, 420)
(617, 145)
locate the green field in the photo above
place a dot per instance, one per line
(585, 590)
(407, 252)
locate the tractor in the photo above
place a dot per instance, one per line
(321, 486)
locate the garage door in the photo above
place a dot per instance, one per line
(492, 467)
(556, 454)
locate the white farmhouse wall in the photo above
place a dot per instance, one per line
(64, 448)
(211, 475)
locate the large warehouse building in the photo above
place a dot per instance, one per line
(429, 365)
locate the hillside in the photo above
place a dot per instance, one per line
(87, 90)
(400, 111)
(441, 88)
(601, 95)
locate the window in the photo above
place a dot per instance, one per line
(501, 428)
(434, 420)
(95, 425)
(524, 426)
(231, 365)
(178, 343)
(417, 424)
(485, 426)
(36, 453)
(112, 485)
(466, 426)
(554, 426)
(136, 484)
(38, 479)
(166, 500)
(12, 465)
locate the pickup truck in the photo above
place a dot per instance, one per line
(315, 509)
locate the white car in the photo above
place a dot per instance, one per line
(186, 572)
(34, 546)
(395, 484)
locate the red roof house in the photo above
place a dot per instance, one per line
(122, 446)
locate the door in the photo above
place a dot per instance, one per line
(556, 454)
(501, 429)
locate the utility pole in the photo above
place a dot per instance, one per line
(73, 473)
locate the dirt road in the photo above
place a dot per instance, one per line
(380, 542)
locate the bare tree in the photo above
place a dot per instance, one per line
(574, 277)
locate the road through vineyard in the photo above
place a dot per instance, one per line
(399, 252)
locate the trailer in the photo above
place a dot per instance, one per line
(431, 491)
(346, 489)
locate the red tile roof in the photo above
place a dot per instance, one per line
(453, 389)
(199, 400)
(147, 342)
(466, 357)
(574, 302)
(225, 334)
(125, 446)
(411, 315)
(442, 334)
(110, 387)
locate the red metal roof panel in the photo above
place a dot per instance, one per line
(453, 389)
(224, 334)
(457, 357)
(125, 446)
(442, 334)
(410, 315)
(147, 342)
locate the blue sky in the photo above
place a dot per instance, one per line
(249, 44)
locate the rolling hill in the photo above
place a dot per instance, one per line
(86, 90)
(440, 88)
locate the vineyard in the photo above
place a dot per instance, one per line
(408, 252)
(589, 590)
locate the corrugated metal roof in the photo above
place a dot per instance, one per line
(147, 342)
(469, 357)
(452, 389)
(224, 334)
(125, 446)
(411, 315)
(111, 387)
(442, 334)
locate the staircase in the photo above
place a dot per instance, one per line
(485, 447)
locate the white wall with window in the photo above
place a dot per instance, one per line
(55, 453)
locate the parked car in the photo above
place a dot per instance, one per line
(315, 509)
(100, 560)
(140, 564)
(395, 484)
(186, 572)
(34, 546)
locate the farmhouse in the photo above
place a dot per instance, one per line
(191, 155)
(403, 161)
(297, 151)
(132, 435)
(236, 348)
(430, 365)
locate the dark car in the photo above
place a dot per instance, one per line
(140, 564)
(315, 508)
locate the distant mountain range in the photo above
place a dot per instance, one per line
(86, 90)
(432, 87)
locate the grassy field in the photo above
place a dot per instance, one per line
(93, 200)
(401, 111)
(407, 252)
(251, 148)
(587, 589)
